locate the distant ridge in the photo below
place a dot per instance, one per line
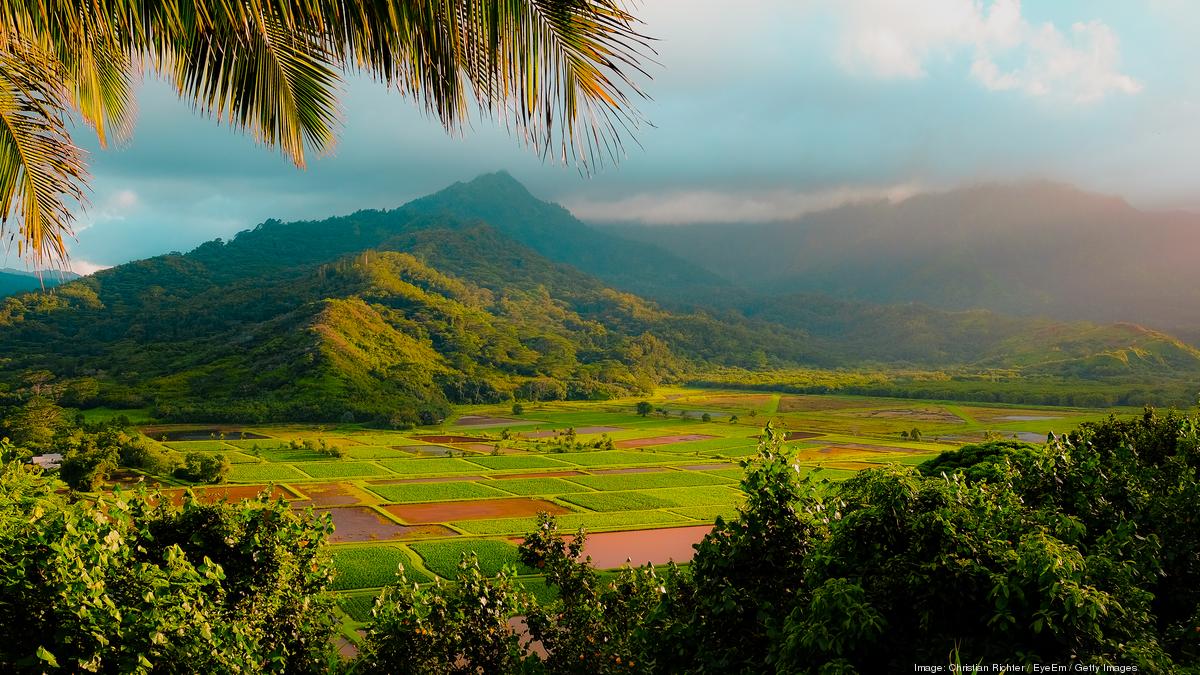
(1036, 248)
(21, 281)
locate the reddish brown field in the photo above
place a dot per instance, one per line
(660, 440)
(473, 510)
(359, 523)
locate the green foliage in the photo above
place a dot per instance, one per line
(518, 409)
(594, 624)
(204, 467)
(459, 628)
(725, 616)
(126, 587)
(643, 408)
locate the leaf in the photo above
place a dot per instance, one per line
(44, 654)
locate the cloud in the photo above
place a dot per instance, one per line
(712, 206)
(890, 40)
(85, 268)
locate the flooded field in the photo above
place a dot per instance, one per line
(227, 493)
(361, 524)
(473, 510)
(448, 438)
(661, 440)
(550, 433)
(202, 434)
(328, 494)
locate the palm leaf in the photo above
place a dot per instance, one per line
(41, 171)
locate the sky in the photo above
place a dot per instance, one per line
(760, 110)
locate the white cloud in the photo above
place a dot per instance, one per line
(711, 206)
(85, 267)
(894, 39)
(116, 206)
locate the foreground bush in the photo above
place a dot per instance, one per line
(124, 586)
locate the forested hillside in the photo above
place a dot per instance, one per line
(475, 294)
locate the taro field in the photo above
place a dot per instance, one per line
(646, 487)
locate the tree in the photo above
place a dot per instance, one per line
(204, 467)
(518, 409)
(915, 434)
(706, 417)
(559, 71)
(644, 408)
(34, 424)
(124, 585)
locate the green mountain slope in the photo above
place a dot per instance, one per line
(393, 315)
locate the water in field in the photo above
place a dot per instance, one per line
(203, 434)
(661, 440)
(359, 523)
(440, 512)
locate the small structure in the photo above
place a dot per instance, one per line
(50, 460)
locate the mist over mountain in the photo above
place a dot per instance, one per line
(480, 293)
(20, 281)
(1031, 249)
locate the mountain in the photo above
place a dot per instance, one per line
(282, 323)
(393, 315)
(14, 281)
(1032, 249)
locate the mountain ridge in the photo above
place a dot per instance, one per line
(393, 315)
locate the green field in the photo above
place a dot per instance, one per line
(373, 566)
(443, 557)
(687, 483)
(435, 492)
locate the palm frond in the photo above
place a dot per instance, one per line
(42, 173)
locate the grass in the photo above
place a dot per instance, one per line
(374, 452)
(263, 443)
(258, 473)
(647, 481)
(372, 567)
(357, 606)
(591, 521)
(429, 465)
(618, 501)
(435, 492)
(656, 498)
(538, 486)
(442, 557)
(342, 469)
(505, 462)
(614, 457)
(707, 514)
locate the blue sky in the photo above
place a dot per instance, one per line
(761, 110)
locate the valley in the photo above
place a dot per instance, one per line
(644, 487)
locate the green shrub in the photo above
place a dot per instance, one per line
(203, 467)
